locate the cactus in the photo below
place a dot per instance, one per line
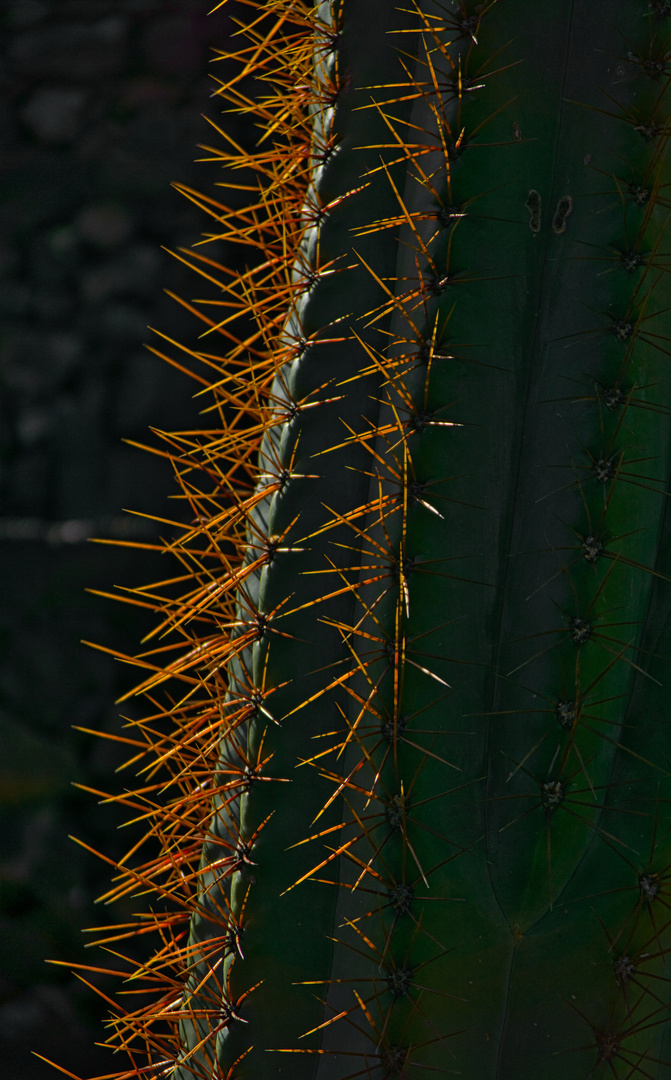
(405, 756)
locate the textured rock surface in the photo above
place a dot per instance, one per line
(100, 109)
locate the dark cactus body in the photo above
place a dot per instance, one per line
(439, 840)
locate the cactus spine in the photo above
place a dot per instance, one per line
(417, 808)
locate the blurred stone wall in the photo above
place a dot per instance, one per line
(100, 109)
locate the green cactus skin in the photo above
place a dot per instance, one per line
(439, 836)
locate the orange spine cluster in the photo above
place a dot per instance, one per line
(175, 748)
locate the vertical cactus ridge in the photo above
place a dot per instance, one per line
(405, 769)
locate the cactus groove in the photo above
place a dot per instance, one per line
(406, 753)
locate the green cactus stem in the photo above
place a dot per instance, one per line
(412, 746)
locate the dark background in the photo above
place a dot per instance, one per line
(100, 109)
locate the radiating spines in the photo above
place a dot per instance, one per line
(413, 812)
(179, 744)
(383, 661)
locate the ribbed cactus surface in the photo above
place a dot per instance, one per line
(416, 815)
